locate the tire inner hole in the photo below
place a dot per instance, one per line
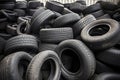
(22, 68)
(70, 60)
(23, 28)
(48, 70)
(99, 30)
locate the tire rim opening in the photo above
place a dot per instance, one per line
(48, 70)
(99, 30)
(23, 28)
(22, 68)
(70, 60)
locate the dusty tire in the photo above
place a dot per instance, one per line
(23, 42)
(78, 26)
(108, 76)
(92, 8)
(55, 35)
(14, 66)
(46, 46)
(101, 34)
(34, 71)
(83, 62)
(41, 20)
(55, 6)
(98, 13)
(66, 20)
(101, 68)
(110, 56)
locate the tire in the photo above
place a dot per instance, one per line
(38, 12)
(108, 5)
(102, 68)
(20, 12)
(34, 4)
(41, 20)
(77, 7)
(110, 56)
(82, 60)
(78, 26)
(21, 5)
(66, 11)
(116, 15)
(38, 62)
(7, 5)
(12, 29)
(92, 8)
(98, 13)
(103, 38)
(105, 16)
(23, 28)
(54, 6)
(27, 43)
(55, 35)
(30, 12)
(14, 66)
(83, 2)
(66, 20)
(46, 46)
(108, 76)
(10, 15)
(108, 12)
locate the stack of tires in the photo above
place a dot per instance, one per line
(58, 41)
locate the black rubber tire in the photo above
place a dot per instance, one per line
(46, 46)
(82, 64)
(34, 4)
(83, 2)
(41, 20)
(55, 35)
(23, 28)
(78, 26)
(30, 12)
(116, 15)
(10, 15)
(37, 63)
(20, 12)
(55, 6)
(14, 66)
(105, 16)
(38, 12)
(66, 11)
(108, 76)
(21, 5)
(77, 7)
(110, 56)
(27, 43)
(101, 34)
(66, 20)
(12, 29)
(102, 68)
(92, 8)
(108, 12)
(108, 5)
(7, 5)
(98, 13)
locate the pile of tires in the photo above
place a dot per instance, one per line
(56, 41)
